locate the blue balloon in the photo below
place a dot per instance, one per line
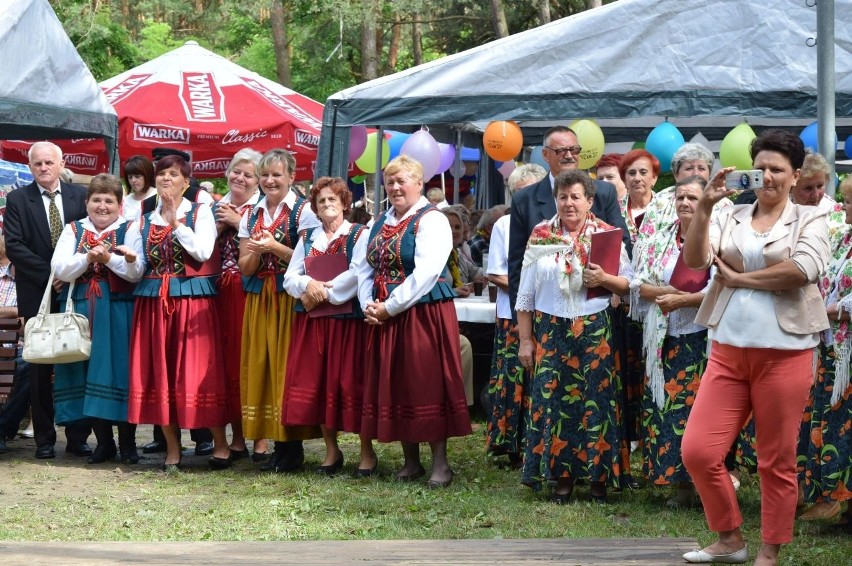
(663, 142)
(537, 158)
(810, 137)
(395, 142)
(847, 147)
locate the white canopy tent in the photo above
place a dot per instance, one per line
(706, 65)
(47, 91)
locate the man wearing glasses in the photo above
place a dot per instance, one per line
(536, 203)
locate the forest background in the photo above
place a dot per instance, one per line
(315, 47)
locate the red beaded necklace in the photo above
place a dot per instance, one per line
(260, 226)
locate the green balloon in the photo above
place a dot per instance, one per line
(638, 145)
(367, 161)
(358, 179)
(735, 148)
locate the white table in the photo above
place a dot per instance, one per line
(476, 309)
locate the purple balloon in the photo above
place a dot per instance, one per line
(357, 142)
(448, 155)
(423, 147)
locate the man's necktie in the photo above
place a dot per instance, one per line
(54, 218)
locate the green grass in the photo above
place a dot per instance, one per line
(135, 503)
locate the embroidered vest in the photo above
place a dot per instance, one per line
(285, 230)
(390, 251)
(98, 272)
(341, 245)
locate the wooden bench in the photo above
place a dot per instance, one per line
(10, 330)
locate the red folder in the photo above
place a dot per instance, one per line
(326, 268)
(606, 252)
(687, 279)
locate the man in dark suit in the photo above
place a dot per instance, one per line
(537, 203)
(34, 219)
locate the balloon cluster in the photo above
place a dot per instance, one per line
(433, 156)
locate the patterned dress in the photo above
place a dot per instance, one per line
(676, 356)
(99, 386)
(413, 389)
(325, 372)
(267, 328)
(231, 304)
(828, 459)
(574, 428)
(176, 369)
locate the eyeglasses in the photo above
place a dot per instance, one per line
(561, 151)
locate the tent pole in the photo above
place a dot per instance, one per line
(825, 86)
(377, 182)
(461, 166)
(333, 135)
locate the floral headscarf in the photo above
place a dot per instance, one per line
(836, 286)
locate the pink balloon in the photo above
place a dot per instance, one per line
(357, 142)
(423, 147)
(448, 155)
(506, 168)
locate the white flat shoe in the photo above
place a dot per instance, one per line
(701, 557)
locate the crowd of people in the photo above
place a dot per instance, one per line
(705, 329)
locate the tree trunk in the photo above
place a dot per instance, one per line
(278, 19)
(498, 19)
(416, 39)
(544, 11)
(369, 54)
(393, 48)
(593, 4)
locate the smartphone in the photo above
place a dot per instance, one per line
(744, 180)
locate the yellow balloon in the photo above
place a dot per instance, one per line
(367, 161)
(591, 139)
(736, 147)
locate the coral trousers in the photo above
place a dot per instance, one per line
(774, 385)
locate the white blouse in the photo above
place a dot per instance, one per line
(307, 219)
(68, 264)
(343, 287)
(432, 247)
(199, 243)
(498, 263)
(749, 320)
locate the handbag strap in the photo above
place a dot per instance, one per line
(45, 300)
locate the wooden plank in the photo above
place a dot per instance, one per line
(576, 552)
(8, 335)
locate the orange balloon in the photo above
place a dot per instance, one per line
(502, 140)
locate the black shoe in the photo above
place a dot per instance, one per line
(129, 455)
(3, 447)
(288, 457)
(154, 447)
(631, 483)
(78, 449)
(272, 461)
(102, 453)
(332, 469)
(204, 448)
(45, 452)
(215, 463)
(362, 473)
(260, 457)
(239, 454)
(419, 473)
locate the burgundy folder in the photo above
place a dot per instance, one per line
(326, 268)
(606, 252)
(687, 279)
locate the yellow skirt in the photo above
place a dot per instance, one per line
(267, 326)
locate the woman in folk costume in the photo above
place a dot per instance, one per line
(242, 195)
(102, 255)
(574, 426)
(268, 236)
(325, 371)
(176, 375)
(675, 347)
(828, 458)
(413, 388)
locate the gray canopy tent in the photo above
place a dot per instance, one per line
(47, 91)
(706, 65)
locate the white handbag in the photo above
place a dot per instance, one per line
(57, 338)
